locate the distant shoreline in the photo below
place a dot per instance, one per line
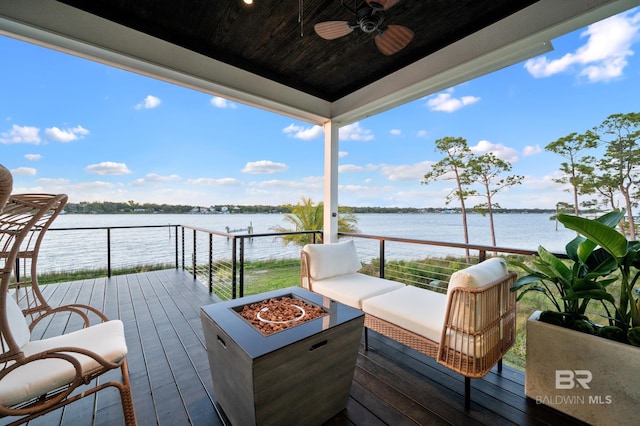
(134, 208)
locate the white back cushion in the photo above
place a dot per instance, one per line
(17, 323)
(330, 260)
(470, 316)
(478, 275)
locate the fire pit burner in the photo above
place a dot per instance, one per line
(277, 314)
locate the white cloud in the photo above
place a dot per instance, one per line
(67, 135)
(93, 186)
(531, 150)
(421, 134)
(108, 168)
(219, 102)
(264, 167)
(53, 181)
(149, 102)
(499, 150)
(342, 154)
(155, 178)
(602, 57)
(354, 132)
(309, 183)
(445, 102)
(214, 182)
(406, 172)
(33, 157)
(395, 132)
(353, 168)
(350, 168)
(304, 133)
(24, 171)
(21, 134)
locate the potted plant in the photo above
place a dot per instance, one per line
(574, 363)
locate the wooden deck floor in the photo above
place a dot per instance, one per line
(172, 385)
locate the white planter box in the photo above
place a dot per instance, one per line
(591, 378)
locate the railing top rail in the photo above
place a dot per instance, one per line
(441, 243)
(229, 235)
(87, 228)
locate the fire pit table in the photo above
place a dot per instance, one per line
(295, 367)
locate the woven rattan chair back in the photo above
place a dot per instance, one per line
(23, 221)
(46, 207)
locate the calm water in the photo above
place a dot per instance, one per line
(87, 249)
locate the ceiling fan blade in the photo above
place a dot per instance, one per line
(331, 30)
(386, 4)
(393, 39)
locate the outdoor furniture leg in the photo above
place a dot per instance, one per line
(467, 392)
(366, 339)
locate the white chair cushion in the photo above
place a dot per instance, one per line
(479, 275)
(352, 289)
(330, 260)
(474, 277)
(17, 322)
(415, 309)
(38, 377)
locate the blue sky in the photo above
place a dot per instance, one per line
(103, 134)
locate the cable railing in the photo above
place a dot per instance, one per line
(233, 264)
(108, 248)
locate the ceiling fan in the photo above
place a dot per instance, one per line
(370, 16)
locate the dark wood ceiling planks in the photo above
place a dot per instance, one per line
(267, 38)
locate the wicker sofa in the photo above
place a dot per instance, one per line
(468, 329)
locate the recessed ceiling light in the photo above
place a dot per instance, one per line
(248, 1)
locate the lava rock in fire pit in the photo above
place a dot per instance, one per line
(277, 314)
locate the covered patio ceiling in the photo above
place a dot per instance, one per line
(268, 55)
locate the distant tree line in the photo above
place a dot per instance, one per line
(108, 207)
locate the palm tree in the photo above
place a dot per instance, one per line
(307, 216)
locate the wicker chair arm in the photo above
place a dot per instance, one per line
(83, 310)
(304, 271)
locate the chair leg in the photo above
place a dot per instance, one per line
(366, 339)
(126, 397)
(467, 393)
(500, 365)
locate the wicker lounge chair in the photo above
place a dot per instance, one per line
(39, 376)
(468, 330)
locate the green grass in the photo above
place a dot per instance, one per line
(86, 274)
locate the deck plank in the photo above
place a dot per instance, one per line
(171, 380)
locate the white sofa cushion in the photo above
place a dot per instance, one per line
(352, 289)
(330, 260)
(415, 309)
(38, 377)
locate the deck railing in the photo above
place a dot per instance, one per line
(236, 264)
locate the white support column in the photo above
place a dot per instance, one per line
(331, 146)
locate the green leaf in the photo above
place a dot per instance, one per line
(606, 237)
(525, 280)
(555, 265)
(532, 288)
(580, 248)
